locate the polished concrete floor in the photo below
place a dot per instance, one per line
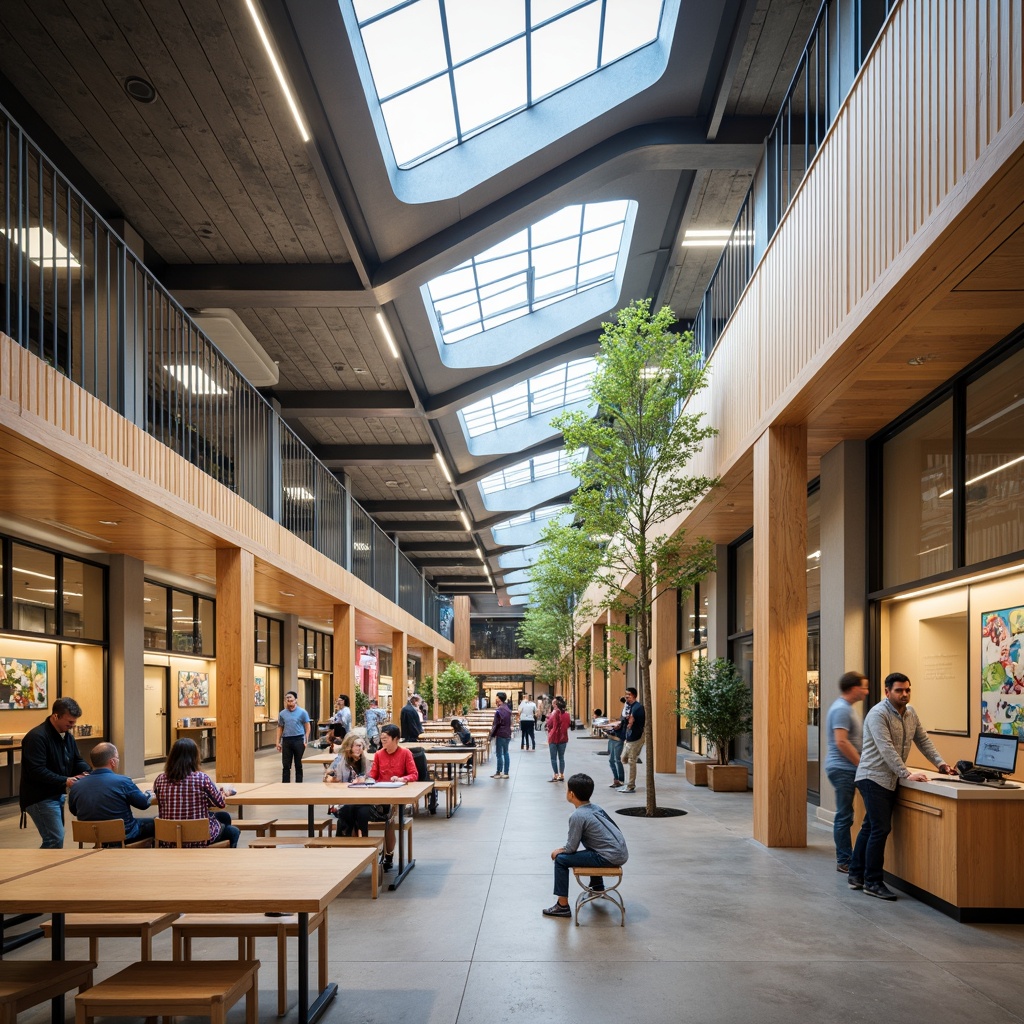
(718, 928)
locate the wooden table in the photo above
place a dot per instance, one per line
(450, 759)
(314, 794)
(214, 881)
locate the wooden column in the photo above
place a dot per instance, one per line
(617, 674)
(345, 654)
(236, 665)
(430, 668)
(665, 723)
(780, 637)
(461, 634)
(598, 677)
(399, 678)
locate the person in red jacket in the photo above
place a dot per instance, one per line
(558, 737)
(392, 763)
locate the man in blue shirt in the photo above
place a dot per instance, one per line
(103, 794)
(292, 736)
(843, 734)
(635, 719)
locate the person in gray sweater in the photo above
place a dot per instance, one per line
(594, 841)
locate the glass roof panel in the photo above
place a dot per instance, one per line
(539, 467)
(542, 267)
(469, 64)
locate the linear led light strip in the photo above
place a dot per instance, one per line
(987, 473)
(278, 70)
(716, 238)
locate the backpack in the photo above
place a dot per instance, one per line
(419, 757)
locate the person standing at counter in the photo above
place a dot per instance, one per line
(292, 736)
(50, 765)
(890, 728)
(843, 734)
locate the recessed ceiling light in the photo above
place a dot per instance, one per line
(390, 483)
(109, 522)
(139, 89)
(285, 593)
(359, 369)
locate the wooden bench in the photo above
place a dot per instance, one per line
(589, 895)
(258, 825)
(247, 928)
(98, 926)
(28, 983)
(450, 789)
(302, 825)
(164, 988)
(358, 842)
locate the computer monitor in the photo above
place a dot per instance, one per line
(997, 752)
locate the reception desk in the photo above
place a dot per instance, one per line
(957, 847)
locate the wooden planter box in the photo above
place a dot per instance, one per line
(697, 772)
(727, 778)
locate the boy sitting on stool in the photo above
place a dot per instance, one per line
(594, 841)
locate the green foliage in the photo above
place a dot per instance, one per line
(426, 691)
(456, 688)
(362, 703)
(717, 704)
(631, 462)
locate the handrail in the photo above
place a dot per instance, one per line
(73, 293)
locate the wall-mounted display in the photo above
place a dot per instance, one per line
(1002, 672)
(193, 689)
(22, 684)
(261, 692)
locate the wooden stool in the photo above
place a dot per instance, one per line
(97, 926)
(162, 988)
(247, 928)
(365, 842)
(258, 825)
(449, 788)
(302, 825)
(28, 983)
(589, 895)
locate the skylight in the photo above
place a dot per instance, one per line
(538, 468)
(446, 70)
(538, 515)
(571, 251)
(553, 389)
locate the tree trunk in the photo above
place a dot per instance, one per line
(644, 674)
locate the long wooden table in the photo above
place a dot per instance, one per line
(314, 794)
(214, 881)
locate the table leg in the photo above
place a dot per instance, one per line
(403, 868)
(57, 953)
(311, 821)
(311, 1012)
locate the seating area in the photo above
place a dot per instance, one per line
(701, 899)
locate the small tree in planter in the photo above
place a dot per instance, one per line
(455, 688)
(718, 705)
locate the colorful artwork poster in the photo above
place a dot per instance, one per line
(1002, 672)
(193, 689)
(22, 684)
(261, 692)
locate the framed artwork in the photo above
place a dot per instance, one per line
(261, 692)
(22, 684)
(193, 689)
(1002, 672)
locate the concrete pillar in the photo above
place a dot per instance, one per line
(127, 726)
(780, 636)
(236, 665)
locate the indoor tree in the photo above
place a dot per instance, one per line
(631, 462)
(456, 688)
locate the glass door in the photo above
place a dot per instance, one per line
(156, 681)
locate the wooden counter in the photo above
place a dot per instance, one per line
(957, 847)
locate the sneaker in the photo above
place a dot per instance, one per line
(496, 775)
(628, 789)
(880, 891)
(615, 785)
(388, 861)
(503, 775)
(557, 911)
(843, 868)
(854, 882)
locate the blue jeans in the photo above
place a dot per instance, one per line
(48, 818)
(501, 747)
(579, 859)
(843, 784)
(227, 830)
(556, 751)
(869, 852)
(615, 759)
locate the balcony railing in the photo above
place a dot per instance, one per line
(74, 294)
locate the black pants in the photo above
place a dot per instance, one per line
(354, 819)
(528, 739)
(292, 749)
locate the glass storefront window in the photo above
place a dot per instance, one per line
(813, 553)
(84, 601)
(155, 617)
(183, 621)
(206, 633)
(34, 590)
(276, 641)
(917, 488)
(994, 477)
(743, 608)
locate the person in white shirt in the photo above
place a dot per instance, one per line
(527, 721)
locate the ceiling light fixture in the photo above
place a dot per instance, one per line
(980, 578)
(42, 248)
(299, 493)
(140, 89)
(697, 238)
(387, 333)
(444, 468)
(278, 70)
(195, 380)
(109, 522)
(285, 593)
(465, 521)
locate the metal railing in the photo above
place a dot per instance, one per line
(74, 294)
(842, 36)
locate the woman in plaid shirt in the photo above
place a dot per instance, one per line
(183, 791)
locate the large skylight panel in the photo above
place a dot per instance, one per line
(540, 467)
(553, 259)
(538, 515)
(446, 70)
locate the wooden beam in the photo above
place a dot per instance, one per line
(461, 635)
(399, 672)
(345, 654)
(664, 723)
(780, 637)
(236, 665)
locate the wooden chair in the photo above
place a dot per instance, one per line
(28, 983)
(102, 833)
(588, 895)
(98, 926)
(164, 988)
(178, 831)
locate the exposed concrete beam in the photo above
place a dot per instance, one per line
(277, 286)
(552, 444)
(297, 405)
(411, 546)
(408, 507)
(415, 526)
(425, 561)
(338, 456)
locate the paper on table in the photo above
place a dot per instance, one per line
(375, 785)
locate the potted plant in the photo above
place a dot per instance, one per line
(718, 705)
